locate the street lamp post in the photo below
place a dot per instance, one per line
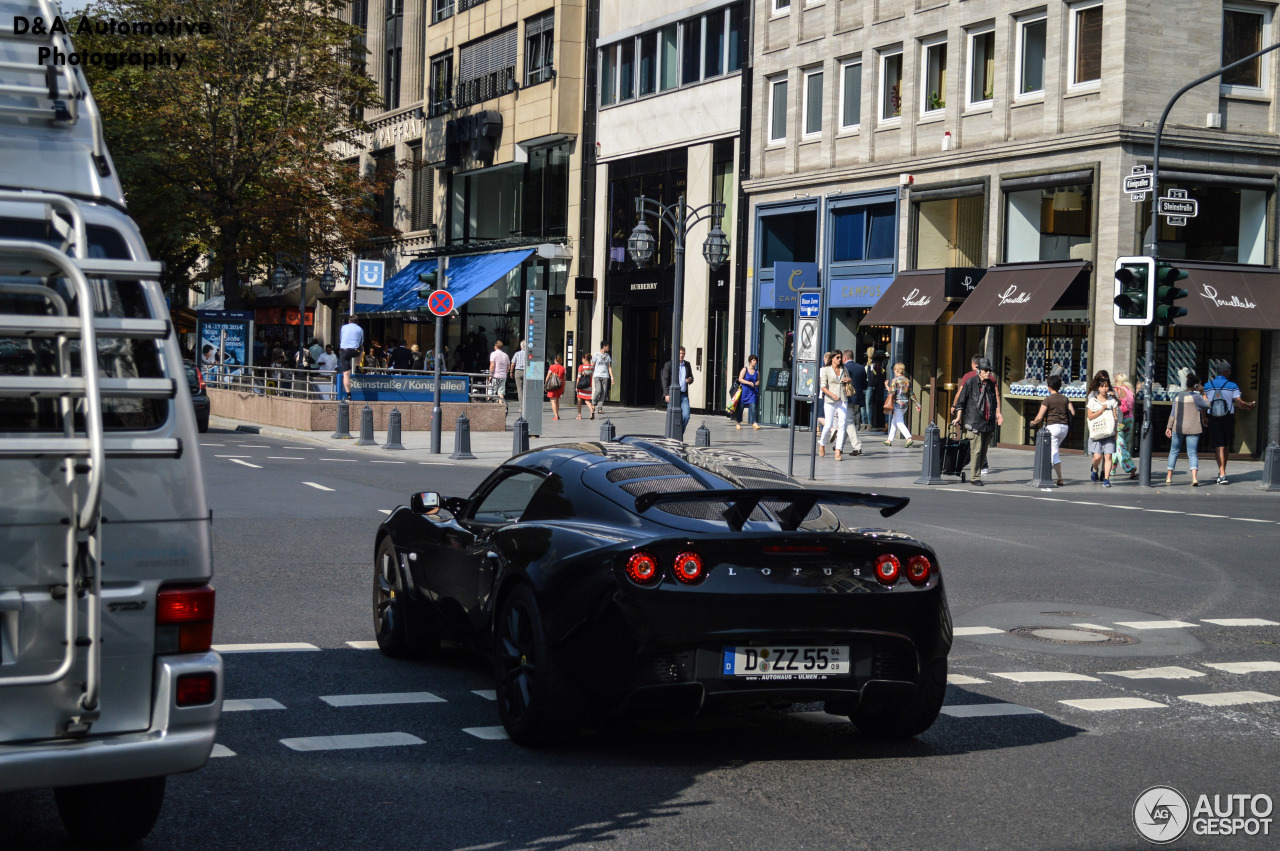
(679, 218)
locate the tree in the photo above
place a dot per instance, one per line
(229, 157)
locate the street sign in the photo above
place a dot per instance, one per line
(440, 303)
(1176, 221)
(535, 342)
(369, 274)
(807, 340)
(1138, 183)
(1137, 197)
(808, 343)
(536, 326)
(1176, 205)
(810, 305)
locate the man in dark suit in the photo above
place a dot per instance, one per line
(401, 357)
(858, 375)
(686, 378)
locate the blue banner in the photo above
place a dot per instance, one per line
(408, 388)
(858, 292)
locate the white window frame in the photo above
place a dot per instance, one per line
(771, 140)
(808, 74)
(848, 128)
(925, 47)
(778, 8)
(971, 68)
(1264, 68)
(882, 90)
(1023, 23)
(1073, 35)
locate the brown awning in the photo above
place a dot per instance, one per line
(1231, 297)
(917, 297)
(1018, 293)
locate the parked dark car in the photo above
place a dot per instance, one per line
(647, 577)
(199, 397)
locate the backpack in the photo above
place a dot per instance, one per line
(1218, 405)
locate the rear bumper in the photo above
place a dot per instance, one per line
(179, 739)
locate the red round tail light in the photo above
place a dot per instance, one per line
(688, 568)
(918, 570)
(888, 569)
(642, 569)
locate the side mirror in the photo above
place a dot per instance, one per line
(425, 503)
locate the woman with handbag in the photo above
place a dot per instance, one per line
(1055, 412)
(749, 380)
(555, 385)
(1100, 413)
(583, 385)
(898, 396)
(831, 385)
(1186, 424)
(1124, 431)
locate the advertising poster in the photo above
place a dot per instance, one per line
(223, 357)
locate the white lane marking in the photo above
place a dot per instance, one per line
(1163, 511)
(1155, 624)
(1230, 698)
(284, 458)
(340, 460)
(253, 446)
(279, 647)
(1251, 520)
(213, 444)
(1214, 516)
(1092, 626)
(387, 462)
(977, 630)
(335, 449)
(363, 645)
(232, 456)
(251, 703)
(292, 448)
(820, 717)
(988, 710)
(1240, 621)
(319, 487)
(221, 750)
(1044, 677)
(362, 740)
(962, 680)
(388, 699)
(1127, 507)
(1172, 672)
(491, 733)
(246, 463)
(1244, 667)
(486, 693)
(1103, 704)
(384, 510)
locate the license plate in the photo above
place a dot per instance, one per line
(786, 663)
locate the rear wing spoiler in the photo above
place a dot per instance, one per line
(799, 502)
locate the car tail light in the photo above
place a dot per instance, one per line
(200, 377)
(689, 568)
(642, 569)
(888, 569)
(196, 689)
(184, 619)
(918, 570)
(796, 549)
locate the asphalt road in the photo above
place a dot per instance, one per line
(1009, 764)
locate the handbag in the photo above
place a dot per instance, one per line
(1102, 426)
(554, 381)
(888, 404)
(734, 399)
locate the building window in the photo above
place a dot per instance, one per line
(487, 68)
(692, 46)
(423, 195)
(627, 70)
(1031, 47)
(1231, 228)
(714, 26)
(1086, 40)
(384, 170)
(781, 7)
(609, 75)
(934, 96)
(788, 238)
(812, 104)
(850, 95)
(648, 63)
(539, 38)
(439, 99)
(891, 85)
(982, 67)
(441, 9)
(735, 37)
(1051, 223)
(393, 35)
(1241, 35)
(949, 232)
(669, 60)
(863, 233)
(778, 110)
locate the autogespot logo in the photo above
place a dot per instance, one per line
(1160, 814)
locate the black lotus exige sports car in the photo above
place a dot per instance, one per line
(652, 578)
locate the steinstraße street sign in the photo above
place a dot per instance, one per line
(1177, 207)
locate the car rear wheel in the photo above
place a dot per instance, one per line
(390, 606)
(108, 815)
(536, 703)
(904, 720)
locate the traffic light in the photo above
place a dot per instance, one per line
(429, 281)
(1134, 291)
(1168, 292)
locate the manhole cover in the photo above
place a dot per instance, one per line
(1072, 635)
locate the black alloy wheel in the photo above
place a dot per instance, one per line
(536, 703)
(902, 721)
(390, 624)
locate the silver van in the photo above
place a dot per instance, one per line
(108, 682)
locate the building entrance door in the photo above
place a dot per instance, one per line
(645, 336)
(719, 370)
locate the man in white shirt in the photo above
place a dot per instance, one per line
(601, 372)
(327, 364)
(518, 363)
(350, 341)
(499, 363)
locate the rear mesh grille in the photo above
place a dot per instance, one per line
(761, 473)
(674, 483)
(641, 471)
(894, 660)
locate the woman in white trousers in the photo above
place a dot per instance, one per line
(831, 383)
(899, 390)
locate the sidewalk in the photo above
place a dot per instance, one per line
(878, 466)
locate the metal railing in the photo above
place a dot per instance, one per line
(317, 386)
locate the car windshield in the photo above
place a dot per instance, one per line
(508, 499)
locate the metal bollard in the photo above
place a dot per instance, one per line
(931, 463)
(519, 436)
(462, 440)
(393, 431)
(344, 422)
(1042, 467)
(1271, 468)
(607, 431)
(702, 437)
(366, 428)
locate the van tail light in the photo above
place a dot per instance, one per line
(688, 568)
(918, 570)
(888, 569)
(196, 689)
(642, 569)
(184, 619)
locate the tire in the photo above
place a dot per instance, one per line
(538, 706)
(390, 605)
(110, 815)
(904, 720)
(202, 426)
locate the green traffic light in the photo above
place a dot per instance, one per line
(1167, 293)
(1132, 299)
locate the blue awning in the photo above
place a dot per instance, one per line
(468, 277)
